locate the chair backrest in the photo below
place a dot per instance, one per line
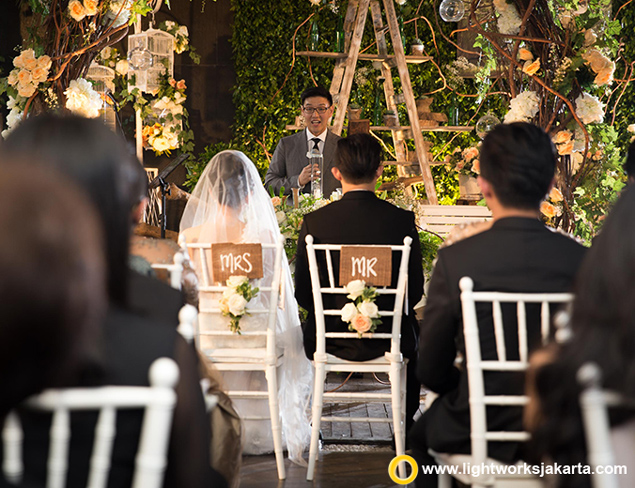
(175, 270)
(441, 219)
(476, 366)
(271, 291)
(594, 403)
(158, 400)
(399, 291)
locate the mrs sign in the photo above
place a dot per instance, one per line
(230, 259)
(373, 264)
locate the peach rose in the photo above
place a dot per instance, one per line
(598, 155)
(470, 153)
(30, 64)
(566, 148)
(562, 136)
(361, 323)
(525, 54)
(589, 37)
(44, 62)
(476, 166)
(531, 68)
(13, 77)
(76, 10)
(20, 61)
(555, 195)
(275, 201)
(172, 82)
(26, 90)
(90, 6)
(39, 75)
(181, 85)
(605, 77)
(547, 209)
(24, 77)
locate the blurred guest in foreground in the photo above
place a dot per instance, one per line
(99, 162)
(601, 331)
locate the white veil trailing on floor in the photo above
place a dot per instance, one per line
(230, 204)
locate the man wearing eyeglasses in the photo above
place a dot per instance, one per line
(290, 167)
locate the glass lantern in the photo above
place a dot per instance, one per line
(150, 54)
(452, 10)
(103, 83)
(485, 124)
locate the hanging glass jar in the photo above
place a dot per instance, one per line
(452, 10)
(485, 124)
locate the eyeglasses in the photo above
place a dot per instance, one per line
(319, 110)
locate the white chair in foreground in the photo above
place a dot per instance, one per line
(476, 367)
(266, 357)
(158, 400)
(594, 403)
(392, 362)
(175, 270)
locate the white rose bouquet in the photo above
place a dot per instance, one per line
(362, 315)
(233, 303)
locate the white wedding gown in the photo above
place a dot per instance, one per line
(229, 204)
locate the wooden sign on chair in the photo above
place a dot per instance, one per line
(373, 264)
(229, 259)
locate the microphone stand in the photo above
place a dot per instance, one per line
(165, 187)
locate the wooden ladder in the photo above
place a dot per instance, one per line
(344, 72)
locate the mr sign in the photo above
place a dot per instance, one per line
(236, 259)
(373, 264)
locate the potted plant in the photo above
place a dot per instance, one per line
(416, 48)
(391, 119)
(354, 111)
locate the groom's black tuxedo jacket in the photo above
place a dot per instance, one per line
(359, 218)
(515, 255)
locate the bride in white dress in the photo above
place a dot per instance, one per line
(230, 204)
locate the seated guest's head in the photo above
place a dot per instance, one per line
(629, 164)
(357, 161)
(52, 280)
(517, 167)
(101, 163)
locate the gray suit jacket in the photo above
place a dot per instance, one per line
(290, 157)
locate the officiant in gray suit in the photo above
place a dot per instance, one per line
(290, 167)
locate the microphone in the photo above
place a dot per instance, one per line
(112, 98)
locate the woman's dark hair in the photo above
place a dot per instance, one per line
(519, 161)
(52, 280)
(228, 175)
(358, 157)
(603, 328)
(101, 163)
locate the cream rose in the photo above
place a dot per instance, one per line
(369, 309)
(122, 67)
(44, 62)
(355, 289)
(39, 75)
(361, 323)
(280, 217)
(24, 77)
(562, 136)
(348, 312)
(13, 77)
(236, 304)
(20, 61)
(26, 90)
(236, 281)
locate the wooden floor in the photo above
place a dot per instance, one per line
(339, 466)
(352, 454)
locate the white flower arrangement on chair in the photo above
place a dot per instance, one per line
(233, 303)
(362, 315)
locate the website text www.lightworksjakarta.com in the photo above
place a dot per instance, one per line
(543, 469)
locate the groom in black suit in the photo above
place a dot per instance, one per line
(517, 254)
(362, 218)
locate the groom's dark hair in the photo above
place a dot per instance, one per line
(357, 157)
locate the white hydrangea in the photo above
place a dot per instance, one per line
(508, 21)
(119, 10)
(14, 117)
(589, 109)
(522, 108)
(82, 99)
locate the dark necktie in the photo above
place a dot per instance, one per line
(316, 146)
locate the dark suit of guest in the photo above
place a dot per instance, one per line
(515, 255)
(289, 159)
(362, 218)
(153, 299)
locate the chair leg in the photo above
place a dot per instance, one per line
(316, 410)
(396, 375)
(274, 413)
